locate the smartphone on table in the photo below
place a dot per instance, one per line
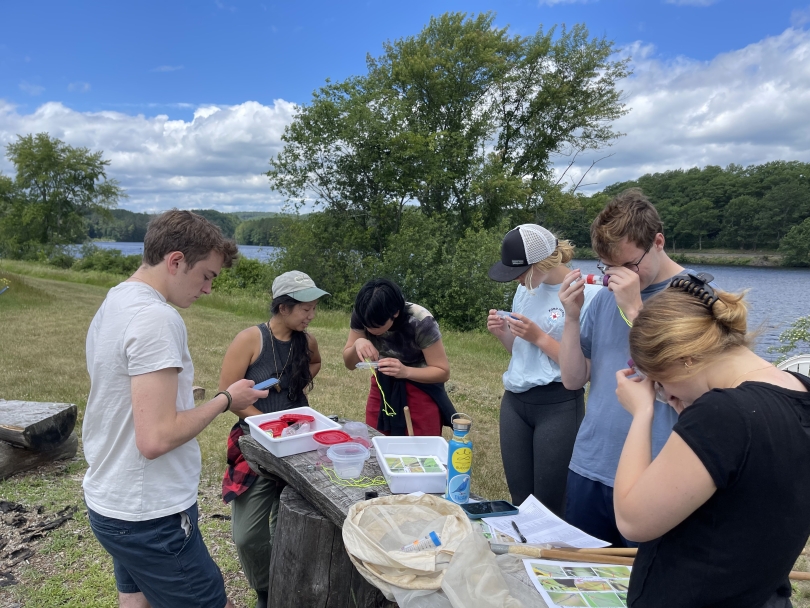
(489, 508)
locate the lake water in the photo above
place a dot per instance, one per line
(777, 296)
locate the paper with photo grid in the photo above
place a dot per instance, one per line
(541, 527)
(579, 584)
(399, 463)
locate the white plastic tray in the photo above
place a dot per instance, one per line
(287, 446)
(405, 483)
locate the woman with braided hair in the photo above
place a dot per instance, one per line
(722, 511)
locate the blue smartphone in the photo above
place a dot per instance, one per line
(266, 384)
(489, 508)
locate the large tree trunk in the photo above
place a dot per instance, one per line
(310, 567)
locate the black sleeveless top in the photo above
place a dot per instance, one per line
(265, 367)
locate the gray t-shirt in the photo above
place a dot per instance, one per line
(604, 340)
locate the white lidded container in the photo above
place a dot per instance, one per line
(295, 444)
(405, 483)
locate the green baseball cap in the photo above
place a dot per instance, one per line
(298, 286)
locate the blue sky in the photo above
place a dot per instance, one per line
(189, 99)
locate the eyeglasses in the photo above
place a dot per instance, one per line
(630, 265)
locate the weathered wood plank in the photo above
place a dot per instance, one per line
(310, 566)
(304, 474)
(35, 425)
(15, 459)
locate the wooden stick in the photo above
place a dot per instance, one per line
(408, 420)
(799, 576)
(620, 551)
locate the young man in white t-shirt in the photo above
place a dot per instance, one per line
(140, 422)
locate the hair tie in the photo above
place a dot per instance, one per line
(696, 285)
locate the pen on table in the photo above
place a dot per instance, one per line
(520, 534)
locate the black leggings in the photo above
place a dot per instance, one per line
(538, 429)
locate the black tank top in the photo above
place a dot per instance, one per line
(265, 367)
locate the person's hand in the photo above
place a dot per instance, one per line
(523, 327)
(636, 395)
(572, 294)
(624, 284)
(393, 367)
(365, 350)
(496, 325)
(243, 395)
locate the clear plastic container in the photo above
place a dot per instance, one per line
(348, 459)
(358, 431)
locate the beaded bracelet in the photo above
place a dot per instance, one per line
(230, 399)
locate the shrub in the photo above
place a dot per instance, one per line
(107, 260)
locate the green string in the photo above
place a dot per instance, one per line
(360, 482)
(387, 409)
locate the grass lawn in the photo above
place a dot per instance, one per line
(44, 317)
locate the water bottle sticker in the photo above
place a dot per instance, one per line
(458, 488)
(462, 460)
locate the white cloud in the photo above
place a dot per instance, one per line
(800, 17)
(215, 160)
(747, 106)
(167, 68)
(31, 89)
(692, 2)
(79, 87)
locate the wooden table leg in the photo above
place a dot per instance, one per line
(310, 566)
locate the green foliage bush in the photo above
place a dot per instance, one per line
(446, 276)
(246, 275)
(107, 260)
(796, 245)
(794, 339)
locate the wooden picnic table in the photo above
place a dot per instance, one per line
(308, 545)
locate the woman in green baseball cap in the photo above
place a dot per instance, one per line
(280, 348)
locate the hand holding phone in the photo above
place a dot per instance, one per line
(261, 386)
(490, 508)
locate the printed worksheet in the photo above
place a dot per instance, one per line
(541, 527)
(413, 464)
(579, 584)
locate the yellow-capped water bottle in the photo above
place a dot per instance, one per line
(459, 460)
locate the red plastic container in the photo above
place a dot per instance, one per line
(293, 418)
(331, 437)
(274, 426)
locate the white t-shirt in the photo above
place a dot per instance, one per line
(135, 332)
(530, 366)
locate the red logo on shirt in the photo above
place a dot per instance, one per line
(555, 313)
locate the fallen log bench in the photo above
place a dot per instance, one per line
(34, 433)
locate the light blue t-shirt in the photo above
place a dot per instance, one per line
(530, 366)
(604, 338)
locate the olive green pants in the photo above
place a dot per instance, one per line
(253, 526)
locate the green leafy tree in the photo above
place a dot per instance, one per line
(462, 119)
(55, 187)
(795, 246)
(698, 219)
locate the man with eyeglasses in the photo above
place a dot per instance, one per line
(628, 238)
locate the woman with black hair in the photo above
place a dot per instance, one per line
(280, 348)
(405, 341)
